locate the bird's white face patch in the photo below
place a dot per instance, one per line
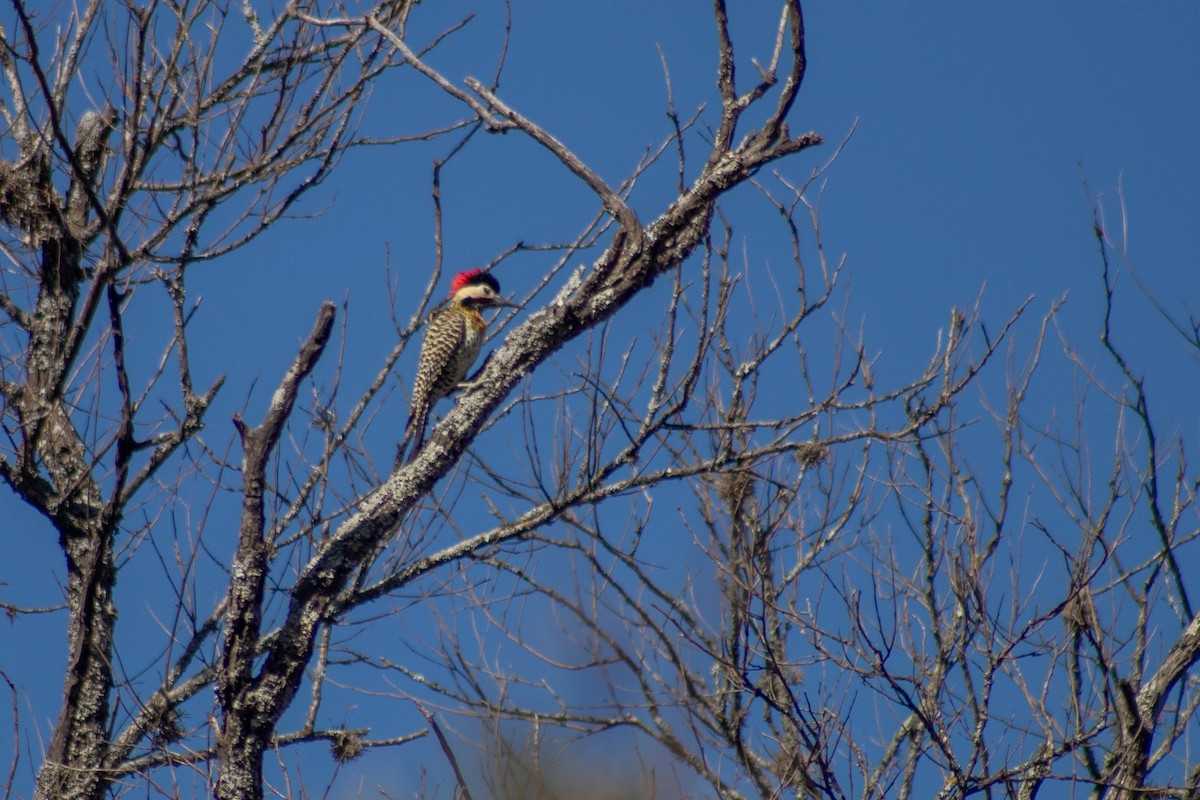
(477, 291)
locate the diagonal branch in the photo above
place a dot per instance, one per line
(611, 200)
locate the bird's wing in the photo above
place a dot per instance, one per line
(443, 339)
(443, 336)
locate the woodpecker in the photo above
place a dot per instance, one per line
(452, 342)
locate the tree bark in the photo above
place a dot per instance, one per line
(73, 500)
(250, 711)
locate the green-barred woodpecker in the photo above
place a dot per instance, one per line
(453, 338)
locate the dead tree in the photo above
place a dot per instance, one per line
(740, 672)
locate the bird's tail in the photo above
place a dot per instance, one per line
(414, 432)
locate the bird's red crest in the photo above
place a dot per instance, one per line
(471, 276)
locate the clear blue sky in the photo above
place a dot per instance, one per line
(975, 126)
